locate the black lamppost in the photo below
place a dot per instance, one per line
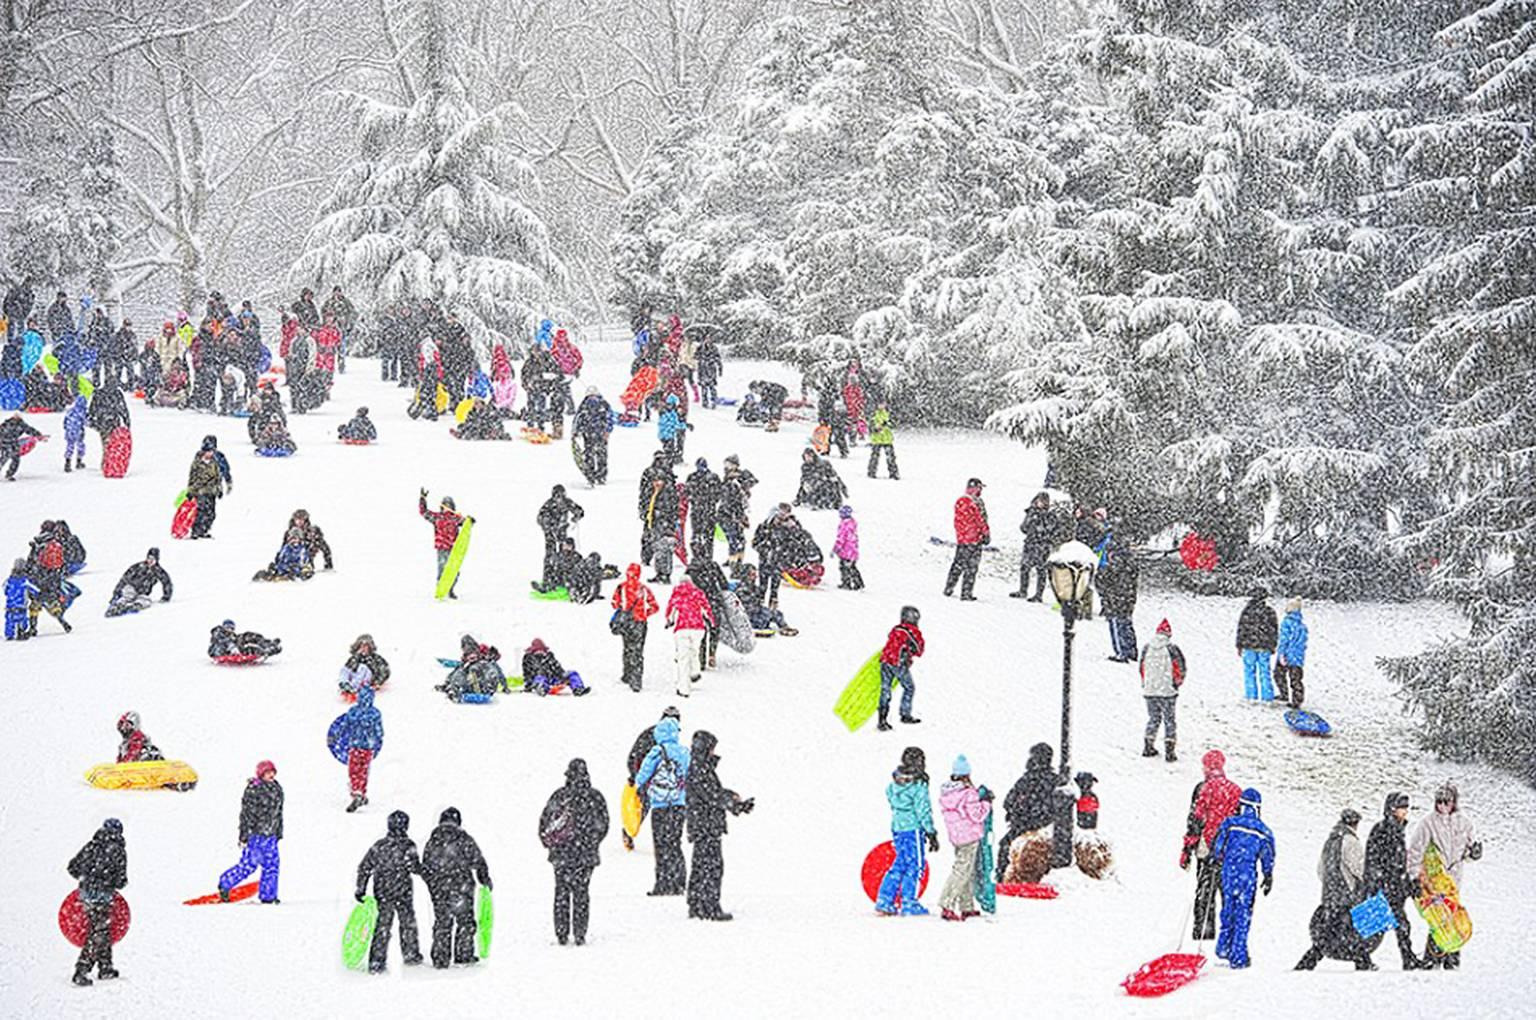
(1070, 570)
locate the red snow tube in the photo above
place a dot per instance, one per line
(877, 863)
(1027, 890)
(1198, 552)
(239, 659)
(1165, 974)
(75, 925)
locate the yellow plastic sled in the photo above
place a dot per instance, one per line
(143, 775)
(462, 410)
(630, 811)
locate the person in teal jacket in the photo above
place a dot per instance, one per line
(1291, 655)
(911, 826)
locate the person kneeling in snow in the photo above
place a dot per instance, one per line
(135, 745)
(223, 640)
(542, 672)
(359, 430)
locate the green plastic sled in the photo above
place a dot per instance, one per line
(553, 595)
(485, 919)
(358, 935)
(455, 560)
(861, 697)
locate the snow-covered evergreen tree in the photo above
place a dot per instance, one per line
(1470, 197)
(67, 228)
(432, 208)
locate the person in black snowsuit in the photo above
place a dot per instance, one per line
(571, 827)
(772, 396)
(557, 514)
(101, 867)
(108, 409)
(359, 430)
(781, 544)
(17, 306)
(704, 490)
(820, 486)
(225, 640)
(450, 864)
(391, 862)
(661, 511)
(1041, 529)
(144, 575)
(708, 803)
(592, 425)
(1031, 804)
(1386, 872)
(1342, 870)
(58, 317)
(710, 369)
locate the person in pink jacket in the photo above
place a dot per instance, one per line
(846, 549)
(965, 813)
(688, 613)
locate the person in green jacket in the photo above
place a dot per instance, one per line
(911, 826)
(882, 438)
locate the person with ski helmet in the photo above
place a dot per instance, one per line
(1243, 844)
(903, 644)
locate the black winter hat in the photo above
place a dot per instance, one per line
(1040, 756)
(1395, 801)
(362, 412)
(576, 773)
(153, 554)
(450, 816)
(399, 822)
(671, 712)
(1350, 817)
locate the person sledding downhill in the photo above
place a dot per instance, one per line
(138, 583)
(451, 862)
(364, 667)
(903, 644)
(1213, 801)
(292, 562)
(224, 641)
(135, 744)
(478, 672)
(101, 867)
(391, 862)
(363, 737)
(911, 826)
(261, 826)
(543, 673)
(446, 522)
(1242, 844)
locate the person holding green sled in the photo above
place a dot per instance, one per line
(911, 826)
(450, 864)
(390, 863)
(446, 522)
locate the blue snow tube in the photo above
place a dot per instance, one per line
(273, 451)
(471, 698)
(13, 393)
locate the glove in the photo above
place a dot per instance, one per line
(1475, 852)
(747, 805)
(933, 842)
(985, 793)
(423, 493)
(358, 897)
(487, 885)
(1269, 883)
(1184, 859)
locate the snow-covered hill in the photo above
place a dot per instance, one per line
(805, 939)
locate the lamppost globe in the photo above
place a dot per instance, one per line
(1070, 569)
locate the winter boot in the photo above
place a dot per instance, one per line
(223, 894)
(884, 724)
(1148, 750)
(1168, 751)
(950, 915)
(106, 973)
(82, 979)
(67, 468)
(911, 719)
(80, 463)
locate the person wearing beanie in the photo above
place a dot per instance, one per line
(972, 534)
(142, 577)
(261, 826)
(572, 826)
(359, 430)
(1162, 674)
(820, 486)
(1031, 804)
(1257, 634)
(589, 432)
(446, 522)
(846, 549)
(1448, 830)
(390, 863)
(671, 429)
(1291, 655)
(208, 479)
(637, 754)
(1341, 869)
(1386, 872)
(451, 862)
(101, 868)
(965, 810)
(704, 490)
(1213, 801)
(558, 513)
(903, 644)
(1243, 844)
(911, 829)
(709, 802)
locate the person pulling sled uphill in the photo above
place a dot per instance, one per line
(101, 867)
(1213, 801)
(911, 826)
(1242, 844)
(390, 863)
(573, 824)
(708, 804)
(451, 863)
(1341, 869)
(261, 826)
(1291, 655)
(223, 640)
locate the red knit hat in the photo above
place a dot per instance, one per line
(1165, 627)
(263, 767)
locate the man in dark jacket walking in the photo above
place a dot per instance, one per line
(450, 864)
(704, 490)
(1341, 869)
(391, 862)
(261, 826)
(101, 867)
(572, 826)
(592, 425)
(557, 514)
(1117, 581)
(1257, 634)
(1386, 872)
(1040, 529)
(708, 803)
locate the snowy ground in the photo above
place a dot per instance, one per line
(805, 938)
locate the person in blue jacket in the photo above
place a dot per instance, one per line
(74, 434)
(911, 825)
(670, 429)
(1291, 655)
(1242, 841)
(364, 736)
(20, 591)
(663, 775)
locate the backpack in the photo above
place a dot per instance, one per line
(557, 828)
(52, 556)
(668, 781)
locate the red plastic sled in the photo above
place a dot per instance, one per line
(808, 576)
(117, 452)
(356, 442)
(75, 925)
(239, 659)
(1027, 890)
(639, 388)
(186, 515)
(238, 893)
(1167, 973)
(28, 444)
(877, 863)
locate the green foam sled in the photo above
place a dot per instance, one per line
(485, 919)
(358, 935)
(861, 697)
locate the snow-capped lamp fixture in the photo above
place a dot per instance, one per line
(1070, 569)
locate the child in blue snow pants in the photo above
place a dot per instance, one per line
(906, 871)
(260, 851)
(1256, 679)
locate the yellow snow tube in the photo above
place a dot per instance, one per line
(142, 775)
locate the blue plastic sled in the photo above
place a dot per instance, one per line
(625, 424)
(448, 663)
(335, 736)
(480, 386)
(1373, 917)
(12, 393)
(1308, 724)
(726, 401)
(475, 699)
(273, 452)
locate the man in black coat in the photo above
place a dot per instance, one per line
(1386, 872)
(572, 826)
(661, 512)
(391, 862)
(12, 430)
(708, 803)
(733, 513)
(592, 426)
(1031, 804)
(704, 490)
(101, 867)
(144, 575)
(58, 318)
(17, 306)
(557, 514)
(1257, 634)
(450, 864)
(1041, 530)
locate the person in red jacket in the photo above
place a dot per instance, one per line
(972, 533)
(902, 645)
(327, 346)
(445, 530)
(688, 613)
(1214, 800)
(135, 745)
(633, 607)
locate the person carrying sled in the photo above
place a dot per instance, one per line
(141, 579)
(135, 744)
(446, 522)
(1214, 800)
(1449, 831)
(965, 810)
(637, 752)
(911, 825)
(224, 640)
(663, 778)
(633, 606)
(101, 868)
(1242, 844)
(390, 863)
(261, 826)
(1162, 674)
(207, 481)
(1386, 872)
(362, 736)
(1341, 869)
(708, 804)
(1291, 655)
(1257, 635)
(542, 672)
(972, 534)
(451, 863)
(572, 826)
(359, 430)
(558, 513)
(903, 644)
